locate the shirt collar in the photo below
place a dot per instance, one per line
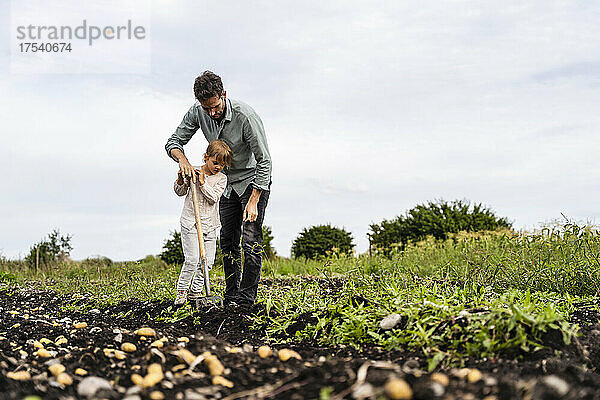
(228, 112)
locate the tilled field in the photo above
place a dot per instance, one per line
(51, 352)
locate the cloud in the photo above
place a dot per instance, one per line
(369, 108)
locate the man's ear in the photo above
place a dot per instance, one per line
(205, 157)
(224, 94)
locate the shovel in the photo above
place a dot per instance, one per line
(207, 299)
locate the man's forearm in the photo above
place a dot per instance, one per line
(177, 154)
(255, 196)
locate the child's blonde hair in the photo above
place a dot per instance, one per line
(221, 151)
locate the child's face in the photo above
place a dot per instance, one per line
(213, 165)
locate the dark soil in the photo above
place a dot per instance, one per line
(28, 315)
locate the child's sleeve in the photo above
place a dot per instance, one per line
(213, 192)
(181, 190)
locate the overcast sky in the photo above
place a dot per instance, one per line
(370, 108)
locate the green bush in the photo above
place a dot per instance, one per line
(436, 219)
(54, 249)
(269, 251)
(321, 241)
(173, 250)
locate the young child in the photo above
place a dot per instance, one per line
(211, 184)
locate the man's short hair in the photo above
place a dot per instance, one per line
(208, 85)
(221, 151)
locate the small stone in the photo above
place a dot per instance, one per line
(45, 341)
(183, 339)
(94, 311)
(19, 375)
(363, 391)
(265, 351)
(551, 386)
(390, 321)
(286, 354)
(80, 325)
(398, 389)
(96, 329)
(90, 385)
(247, 348)
(157, 343)
(145, 332)
(64, 379)
(128, 347)
(440, 378)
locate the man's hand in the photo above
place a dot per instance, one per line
(184, 165)
(251, 210)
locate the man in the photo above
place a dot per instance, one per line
(244, 201)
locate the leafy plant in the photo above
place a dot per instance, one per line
(436, 219)
(55, 248)
(321, 241)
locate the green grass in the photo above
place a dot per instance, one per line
(478, 295)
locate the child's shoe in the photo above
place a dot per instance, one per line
(182, 296)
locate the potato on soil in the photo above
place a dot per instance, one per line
(474, 375)
(155, 375)
(137, 379)
(56, 369)
(80, 372)
(19, 375)
(264, 352)
(145, 332)
(440, 378)
(45, 341)
(157, 343)
(215, 367)
(219, 380)
(157, 395)
(64, 379)
(185, 355)
(128, 347)
(80, 325)
(398, 389)
(60, 340)
(286, 354)
(43, 353)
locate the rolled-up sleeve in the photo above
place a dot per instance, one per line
(254, 135)
(184, 132)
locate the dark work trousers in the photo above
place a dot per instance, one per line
(232, 228)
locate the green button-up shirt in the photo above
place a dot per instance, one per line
(243, 131)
